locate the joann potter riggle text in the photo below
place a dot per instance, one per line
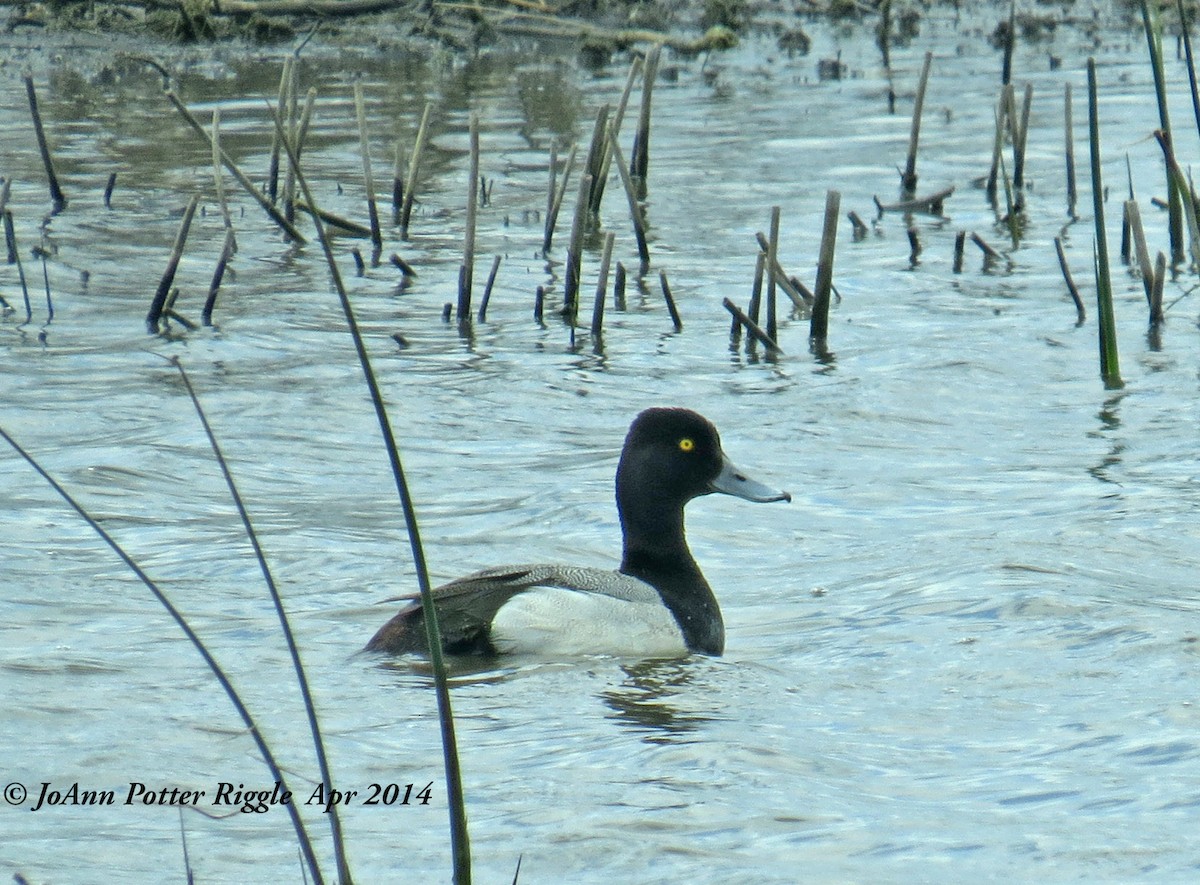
(250, 801)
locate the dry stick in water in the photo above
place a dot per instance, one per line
(1156, 291)
(960, 241)
(10, 237)
(398, 183)
(1018, 177)
(219, 182)
(800, 297)
(414, 164)
(487, 289)
(988, 251)
(570, 306)
(1071, 287)
(298, 133)
(245, 182)
(735, 330)
(466, 277)
(860, 226)
(671, 309)
(364, 147)
(227, 252)
(1138, 235)
(56, 194)
(168, 277)
(639, 160)
(108, 190)
(772, 262)
(614, 127)
(1001, 115)
(556, 197)
(539, 303)
(602, 285)
(619, 287)
(635, 207)
(285, 84)
(595, 160)
(908, 181)
(1069, 148)
(819, 328)
(756, 332)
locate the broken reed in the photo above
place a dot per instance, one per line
(56, 193)
(639, 159)
(466, 272)
(1110, 367)
(908, 180)
(364, 147)
(819, 325)
(158, 305)
(414, 166)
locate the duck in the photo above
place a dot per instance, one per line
(656, 604)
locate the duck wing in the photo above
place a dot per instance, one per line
(467, 606)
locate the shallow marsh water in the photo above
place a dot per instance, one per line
(967, 649)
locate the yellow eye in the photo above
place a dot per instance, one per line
(687, 444)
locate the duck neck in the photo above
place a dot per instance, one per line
(655, 551)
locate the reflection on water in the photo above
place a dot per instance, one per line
(996, 677)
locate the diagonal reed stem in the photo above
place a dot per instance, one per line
(306, 846)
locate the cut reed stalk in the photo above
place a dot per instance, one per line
(639, 159)
(1018, 176)
(595, 165)
(227, 251)
(467, 274)
(556, 197)
(908, 181)
(487, 289)
(819, 325)
(364, 147)
(1156, 291)
(14, 257)
(756, 331)
(800, 297)
(619, 287)
(614, 127)
(987, 250)
(414, 166)
(1072, 289)
(1110, 366)
(1001, 117)
(671, 309)
(398, 183)
(108, 189)
(1069, 149)
(164, 286)
(574, 268)
(602, 285)
(635, 206)
(218, 180)
(1138, 235)
(285, 84)
(539, 303)
(252, 728)
(960, 241)
(247, 185)
(459, 837)
(772, 262)
(56, 193)
(860, 226)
